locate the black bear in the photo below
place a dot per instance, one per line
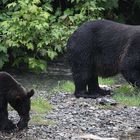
(15, 94)
(103, 48)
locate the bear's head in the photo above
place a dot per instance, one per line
(20, 101)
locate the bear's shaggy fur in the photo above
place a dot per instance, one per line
(13, 93)
(103, 48)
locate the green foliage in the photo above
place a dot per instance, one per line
(37, 33)
(109, 4)
(37, 65)
(27, 29)
(40, 106)
(127, 95)
(3, 55)
(64, 86)
(107, 81)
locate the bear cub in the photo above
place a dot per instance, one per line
(14, 93)
(103, 48)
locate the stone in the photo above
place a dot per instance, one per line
(91, 137)
(106, 101)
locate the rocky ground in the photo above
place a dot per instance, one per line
(73, 118)
(76, 119)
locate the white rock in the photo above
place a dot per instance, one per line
(92, 137)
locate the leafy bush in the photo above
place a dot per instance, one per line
(3, 55)
(27, 29)
(36, 33)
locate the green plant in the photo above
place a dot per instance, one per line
(36, 33)
(25, 32)
(64, 86)
(107, 81)
(127, 95)
(3, 55)
(40, 106)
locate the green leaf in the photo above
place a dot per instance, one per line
(13, 4)
(3, 48)
(51, 54)
(4, 1)
(30, 46)
(37, 65)
(45, 15)
(68, 12)
(3, 59)
(36, 1)
(33, 9)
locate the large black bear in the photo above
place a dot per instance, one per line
(103, 48)
(13, 93)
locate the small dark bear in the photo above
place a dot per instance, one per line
(15, 94)
(103, 48)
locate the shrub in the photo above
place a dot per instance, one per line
(36, 33)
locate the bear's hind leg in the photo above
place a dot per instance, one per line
(7, 125)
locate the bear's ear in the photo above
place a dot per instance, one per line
(30, 93)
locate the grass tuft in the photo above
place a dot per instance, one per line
(64, 86)
(107, 81)
(40, 107)
(127, 95)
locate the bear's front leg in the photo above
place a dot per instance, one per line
(80, 81)
(5, 124)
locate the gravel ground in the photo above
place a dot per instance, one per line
(72, 118)
(75, 117)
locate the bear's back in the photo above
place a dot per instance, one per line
(5, 75)
(7, 81)
(103, 43)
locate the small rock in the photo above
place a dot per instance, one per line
(106, 101)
